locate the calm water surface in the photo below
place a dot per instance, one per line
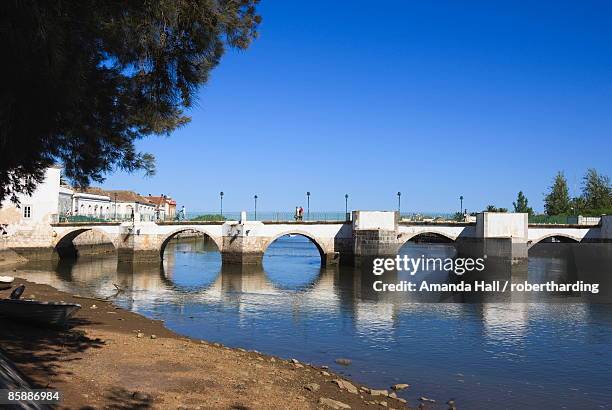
(500, 351)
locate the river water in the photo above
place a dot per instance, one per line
(499, 350)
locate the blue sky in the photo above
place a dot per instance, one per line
(434, 99)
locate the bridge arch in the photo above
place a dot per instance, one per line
(164, 242)
(65, 247)
(320, 247)
(407, 237)
(567, 237)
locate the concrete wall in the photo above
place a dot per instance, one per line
(502, 225)
(368, 220)
(375, 233)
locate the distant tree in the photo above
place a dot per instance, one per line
(493, 208)
(458, 217)
(578, 206)
(521, 204)
(596, 191)
(84, 79)
(557, 201)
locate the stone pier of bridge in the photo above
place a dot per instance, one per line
(368, 234)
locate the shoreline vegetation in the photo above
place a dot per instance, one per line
(111, 357)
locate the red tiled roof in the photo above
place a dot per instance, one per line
(158, 200)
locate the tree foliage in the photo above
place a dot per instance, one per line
(493, 208)
(83, 80)
(522, 204)
(594, 200)
(596, 190)
(209, 217)
(557, 201)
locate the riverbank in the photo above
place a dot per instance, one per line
(115, 358)
(8, 258)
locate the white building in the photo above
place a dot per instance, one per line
(165, 207)
(91, 205)
(114, 204)
(51, 200)
(39, 208)
(129, 202)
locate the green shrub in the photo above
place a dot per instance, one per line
(209, 218)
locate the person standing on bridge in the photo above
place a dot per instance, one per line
(296, 216)
(301, 214)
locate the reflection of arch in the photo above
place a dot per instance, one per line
(564, 238)
(299, 288)
(248, 279)
(312, 239)
(171, 235)
(168, 281)
(65, 247)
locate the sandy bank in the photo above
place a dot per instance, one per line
(118, 359)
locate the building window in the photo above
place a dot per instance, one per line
(27, 211)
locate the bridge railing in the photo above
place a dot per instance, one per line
(273, 216)
(564, 219)
(426, 216)
(314, 216)
(88, 219)
(102, 218)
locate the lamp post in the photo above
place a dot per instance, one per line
(255, 198)
(115, 206)
(461, 207)
(221, 196)
(399, 203)
(308, 205)
(346, 206)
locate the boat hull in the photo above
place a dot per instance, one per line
(43, 313)
(6, 282)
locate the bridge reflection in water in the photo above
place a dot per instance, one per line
(192, 271)
(507, 349)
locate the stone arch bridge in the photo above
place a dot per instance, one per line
(369, 233)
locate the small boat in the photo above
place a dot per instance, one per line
(34, 311)
(6, 282)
